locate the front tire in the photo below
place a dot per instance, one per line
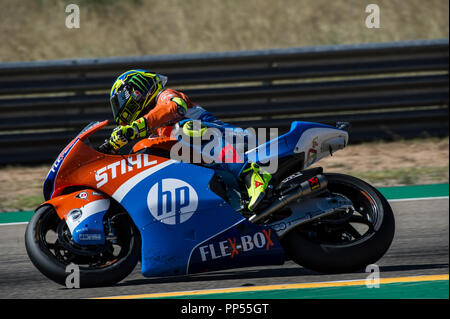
(336, 244)
(51, 253)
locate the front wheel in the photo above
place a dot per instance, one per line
(347, 240)
(51, 249)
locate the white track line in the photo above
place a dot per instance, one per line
(416, 199)
(12, 224)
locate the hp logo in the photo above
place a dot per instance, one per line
(172, 201)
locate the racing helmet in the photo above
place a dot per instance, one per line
(132, 92)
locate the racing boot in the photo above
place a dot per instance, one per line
(256, 182)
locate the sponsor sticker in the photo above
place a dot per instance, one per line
(74, 214)
(314, 183)
(233, 246)
(122, 167)
(172, 201)
(89, 237)
(82, 195)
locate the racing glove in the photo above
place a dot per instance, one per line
(121, 135)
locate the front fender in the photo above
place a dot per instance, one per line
(83, 212)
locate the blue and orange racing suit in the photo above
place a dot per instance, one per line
(170, 108)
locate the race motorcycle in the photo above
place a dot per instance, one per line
(105, 213)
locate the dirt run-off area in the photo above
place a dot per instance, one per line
(418, 161)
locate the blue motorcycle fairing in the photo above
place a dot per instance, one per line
(279, 147)
(285, 143)
(175, 211)
(91, 231)
(182, 222)
(49, 183)
(243, 245)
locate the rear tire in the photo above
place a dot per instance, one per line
(51, 259)
(320, 246)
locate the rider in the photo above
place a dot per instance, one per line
(143, 106)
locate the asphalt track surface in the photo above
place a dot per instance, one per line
(420, 247)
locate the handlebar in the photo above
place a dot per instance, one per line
(106, 148)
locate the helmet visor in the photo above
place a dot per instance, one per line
(118, 102)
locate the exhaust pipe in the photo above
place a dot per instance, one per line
(312, 185)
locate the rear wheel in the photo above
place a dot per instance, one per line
(51, 249)
(347, 240)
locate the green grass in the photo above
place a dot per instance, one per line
(21, 202)
(29, 201)
(406, 176)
